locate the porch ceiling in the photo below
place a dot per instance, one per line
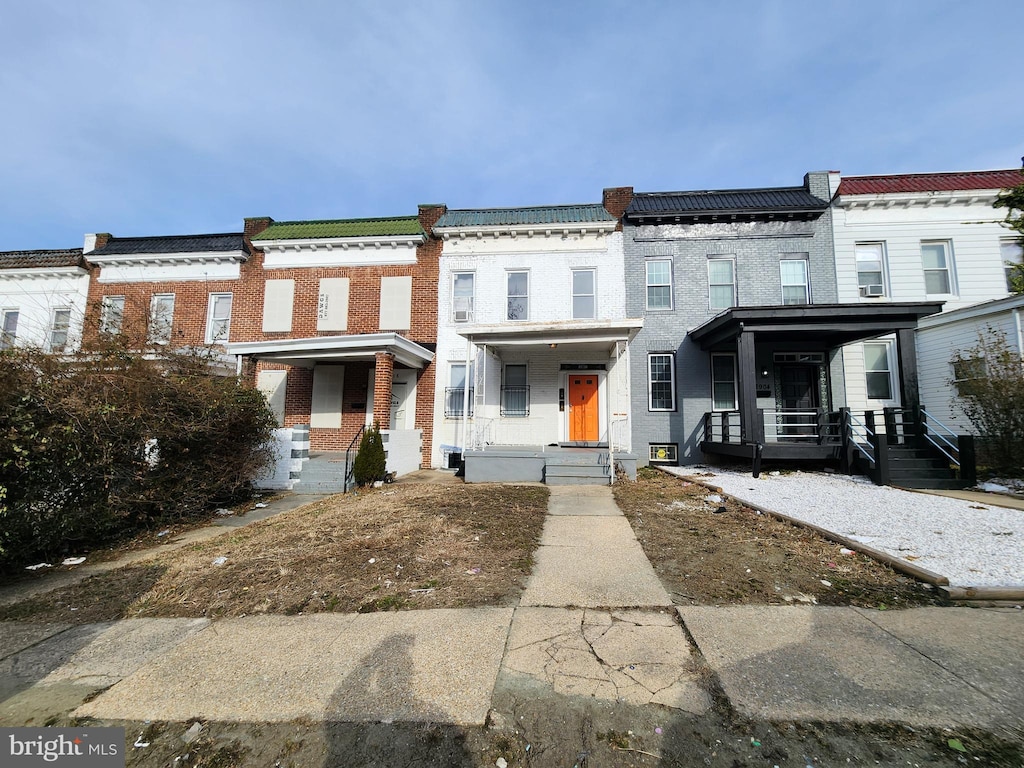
(307, 352)
(574, 333)
(826, 325)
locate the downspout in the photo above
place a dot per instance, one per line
(1020, 334)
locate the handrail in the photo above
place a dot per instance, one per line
(929, 421)
(853, 421)
(350, 474)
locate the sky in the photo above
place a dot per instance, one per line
(154, 118)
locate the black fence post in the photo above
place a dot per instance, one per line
(968, 459)
(889, 418)
(845, 442)
(880, 444)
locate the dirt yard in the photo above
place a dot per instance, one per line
(713, 552)
(407, 546)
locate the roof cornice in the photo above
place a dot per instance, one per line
(41, 272)
(514, 231)
(918, 199)
(341, 243)
(197, 257)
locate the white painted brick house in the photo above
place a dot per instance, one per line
(531, 313)
(917, 237)
(43, 296)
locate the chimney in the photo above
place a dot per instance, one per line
(256, 225)
(429, 213)
(96, 241)
(616, 200)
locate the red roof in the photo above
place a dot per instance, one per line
(930, 182)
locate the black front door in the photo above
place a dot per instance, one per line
(798, 393)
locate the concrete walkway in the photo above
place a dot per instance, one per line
(593, 622)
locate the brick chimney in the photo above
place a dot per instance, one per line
(616, 200)
(429, 213)
(256, 225)
(94, 242)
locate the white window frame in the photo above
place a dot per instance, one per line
(731, 260)
(112, 315)
(799, 258)
(463, 309)
(649, 285)
(509, 296)
(1010, 247)
(9, 338)
(211, 336)
(505, 410)
(949, 269)
(735, 383)
(671, 381)
(868, 372)
(865, 287)
(165, 336)
(453, 408)
(592, 295)
(54, 330)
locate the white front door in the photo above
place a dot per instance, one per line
(403, 402)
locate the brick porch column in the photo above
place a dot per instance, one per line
(383, 373)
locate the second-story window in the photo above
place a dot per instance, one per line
(161, 316)
(8, 328)
(870, 268)
(938, 268)
(659, 284)
(59, 328)
(463, 294)
(218, 318)
(584, 303)
(1011, 253)
(518, 295)
(112, 314)
(795, 288)
(721, 283)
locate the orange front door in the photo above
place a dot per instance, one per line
(583, 421)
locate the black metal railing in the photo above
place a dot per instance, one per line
(515, 400)
(350, 467)
(454, 401)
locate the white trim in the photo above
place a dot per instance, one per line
(508, 274)
(406, 352)
(573, 295)
(921, 199)
(530, 230)
(719, 257)
(197, 257)
(213, 296)
(30, 273)
(527, 333)
(329, 244)
(672, 381)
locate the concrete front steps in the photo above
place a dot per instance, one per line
(324, 473)
(551, 464)
(578, 468)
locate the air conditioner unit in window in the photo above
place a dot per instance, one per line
(463, 310)
(872, 290)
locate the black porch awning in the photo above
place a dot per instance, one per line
(831, 325)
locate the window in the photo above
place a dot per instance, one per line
(59, 327)
(938, 273)
(161, 315)
(583, 298)
(1011, 253)
(795, 289)
(663, 453)
(659, 284)
(332, 304)
(723, 382)
(967, 371)
(112, 314)
(278, 300)
(463, 289)
(870, 268)
(721, 283)
(661, 382)
(396, 303)
(9, 328)
(876, 368)
(515, 393)
(455, 394)
(218, 318)
(518, 295)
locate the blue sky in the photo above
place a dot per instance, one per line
(145, 118)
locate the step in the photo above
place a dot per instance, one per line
(569, 480)
(576, 470)
(949, 484)
(576, 459)
(912, 465)
(936, 473)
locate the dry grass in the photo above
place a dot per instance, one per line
(410, 546)
(740, 556)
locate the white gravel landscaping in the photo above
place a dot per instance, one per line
(971, 544)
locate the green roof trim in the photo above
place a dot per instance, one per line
(313, 230)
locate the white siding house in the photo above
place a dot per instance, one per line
(531, 314)
(916, 237)
(43, 298)
(941, 336)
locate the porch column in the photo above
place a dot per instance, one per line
(906, 353)
(752, 430)
(383, 374)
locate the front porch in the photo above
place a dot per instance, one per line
(548, 464)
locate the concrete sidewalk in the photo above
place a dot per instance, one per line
(594, 624)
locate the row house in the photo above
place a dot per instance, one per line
(741, 348)
(43, 297)
(532, 341)
(922, 237)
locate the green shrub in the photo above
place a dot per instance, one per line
(371, 461)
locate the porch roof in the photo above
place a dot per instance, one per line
(363, 346)
(830, 325)
(563, 332)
